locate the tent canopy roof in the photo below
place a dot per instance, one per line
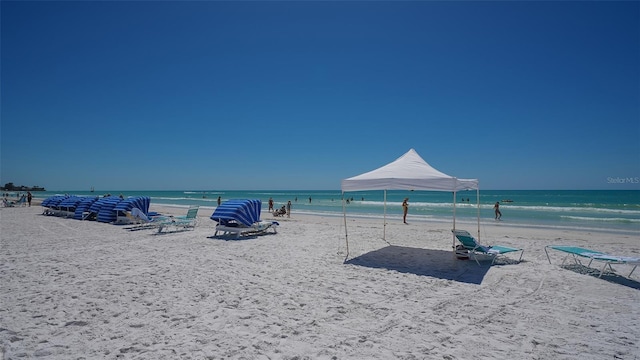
(408, 172)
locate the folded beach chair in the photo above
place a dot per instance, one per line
(124, 208)
(577, 252)
(82, 209)
(143, 220)
(51, 205)
(241, 217)
(257, 228)
(107, 212)
(67, 207)
(102, 209)
(475, 249)
(188, 221)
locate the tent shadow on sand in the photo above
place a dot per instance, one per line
(423, 262)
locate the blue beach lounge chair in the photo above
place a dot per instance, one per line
(50, 205)
(241, 217)
(475, 249)
(102, 210)
(82, 208)
(577, 252)
(124, 209)
(67, 207)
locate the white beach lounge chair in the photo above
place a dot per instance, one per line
(188, 221)
(145, 222)
(257, 228)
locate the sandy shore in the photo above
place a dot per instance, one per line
(88, 290)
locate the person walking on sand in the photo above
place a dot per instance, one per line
(29, 197)
(289, 208)
(270, 204)
(405, 209)
(496, 208)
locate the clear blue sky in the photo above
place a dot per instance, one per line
(293, 95)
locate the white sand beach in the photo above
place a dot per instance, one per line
(89, 290)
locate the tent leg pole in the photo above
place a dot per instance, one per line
(478, 201)
(346, 236)
(384, 218)
(453, 245)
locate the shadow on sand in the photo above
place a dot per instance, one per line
(423, 262)
(607, 276)
(246, 236)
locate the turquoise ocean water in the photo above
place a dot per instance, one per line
(585, 209)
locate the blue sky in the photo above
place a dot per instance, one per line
(248, 95)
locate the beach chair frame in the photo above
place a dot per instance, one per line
(474, 248)
(576, 253)
(257, 228)
(185, 222)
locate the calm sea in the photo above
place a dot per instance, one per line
(585, 209)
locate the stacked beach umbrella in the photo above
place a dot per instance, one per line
(108, 209)
(83, 207)
(123, 207)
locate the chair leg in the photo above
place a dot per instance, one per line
(603, 268)
(546, 251)
(565, 259)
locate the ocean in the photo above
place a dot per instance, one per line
(607, 210)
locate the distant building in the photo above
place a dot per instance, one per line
(11, 187)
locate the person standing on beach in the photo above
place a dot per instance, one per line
(219, 200)
(289, 208)
(29, 197)
(496, 208)
(270, 204)
(405, 209)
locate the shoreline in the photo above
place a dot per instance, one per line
(595, 209)
(470, 225)
(175, 209)
(95, 290)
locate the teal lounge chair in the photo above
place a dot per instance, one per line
(592, 255)
(182, 222)
(475, 249)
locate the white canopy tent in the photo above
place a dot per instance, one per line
(408, 172)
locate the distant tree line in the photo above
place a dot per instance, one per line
(11, 187)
